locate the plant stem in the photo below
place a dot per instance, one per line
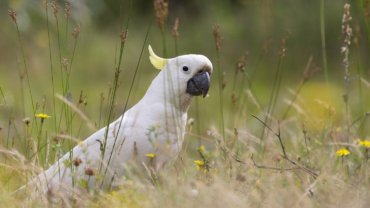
(112, 99)
(127, 100)
(323, 40)
(51, 68)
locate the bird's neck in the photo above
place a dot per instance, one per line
(167, 107)
(167, 91)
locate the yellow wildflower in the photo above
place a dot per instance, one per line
(364, 143)
(199, 164)
(42, 116)
(201, 149)
(342, 152)
(151, 155)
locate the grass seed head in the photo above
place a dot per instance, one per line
(76, 31)
(77, 162)
(27, 121)
(217, 36)
(67, 9)
(175, 29)
(55, 7)
(241, 64)
(347, 32)
(65, 63)
(13, 14)
(123, 36)
(89, 172)
(283, 48)
(161, 12)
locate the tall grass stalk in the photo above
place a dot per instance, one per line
(67, 12)
(128, 97)
(247, 81)
(8, 134)
(197, 123)
(240, 68)
(112, 99)
(3, 95)
(75, 35)
(26, 143)
(175, 35)
(359, 67)
(56, 126)
(363, 6)
(306, 76)
(21, 83)
(55, 8)
(68, 110)
(63, 80)
(347, 33)
(164, 48)
(262, 54)
(161, 14)
(22, 74)
(51, 66)
(112, 96)
(323, 40)
(218, 44)
(13, 14)
(275, 92)
(38, 149)
(65, 110)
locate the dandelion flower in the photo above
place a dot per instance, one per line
(342, 152)
(150, 155)
(42, 116)
(364, 143)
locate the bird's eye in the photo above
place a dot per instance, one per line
(185, 68)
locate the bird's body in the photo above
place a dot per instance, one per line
(150, 133)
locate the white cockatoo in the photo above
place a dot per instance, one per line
(151, 133)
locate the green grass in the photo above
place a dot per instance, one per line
(271, 126)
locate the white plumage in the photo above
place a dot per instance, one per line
(155, 125)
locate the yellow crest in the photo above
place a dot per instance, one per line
(156, 61)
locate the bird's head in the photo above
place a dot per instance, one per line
(189, 74)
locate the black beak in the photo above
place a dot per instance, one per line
(199, 84)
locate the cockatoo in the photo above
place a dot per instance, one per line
(150, 133)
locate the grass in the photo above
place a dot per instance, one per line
(225, 161)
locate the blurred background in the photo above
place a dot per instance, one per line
(254, 36)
